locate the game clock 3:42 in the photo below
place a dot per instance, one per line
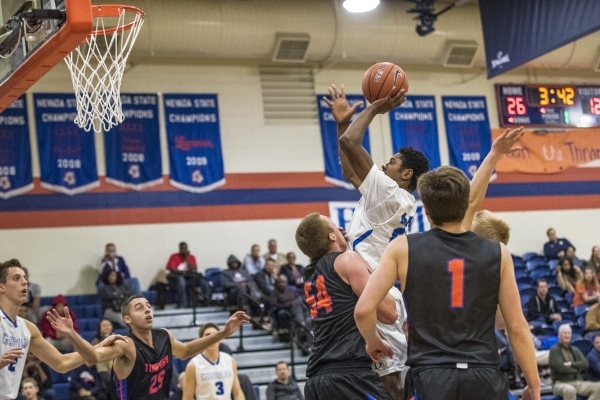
(549, 105)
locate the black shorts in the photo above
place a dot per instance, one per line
(361, 385)
(435, 383)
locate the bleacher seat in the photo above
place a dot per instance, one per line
(150, 295)
(534, 262)
(61, 390)
(92, 311)
(214, 278)
(584, 345)
(580, 310)
(528, 291)
(548, 341)
(522, 286)
(87, 335)
(556, 292)
(552, 264)
(528, 256)
(568, 315)
(569, 297)
(55, 377)
(255, 389)
(212, 270)
(551, 279)
(525, 279)
(524, 299)
(521, 272)
(88, 324)
(563, 305)
(549, 331)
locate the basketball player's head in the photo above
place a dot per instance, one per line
(137, 312)
(29, 388)
(207, 330)
(405, 167)
(13, 283)
(445, 195)
(317, 235)
(487, 225)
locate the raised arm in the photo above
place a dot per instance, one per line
(90, 354)
(501, 146)
(343, 113)
(351, 140)
(189, 349)
(356, 272)
(384, 277)
(517, 328)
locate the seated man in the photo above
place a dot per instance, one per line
(112, 261)
(235, 280)
(265, 280)
(272, 253)
(85, 384)
(293, 271)
(30, 389)
(285, 307)
(283, 388)
(593, 359)
(567, 364)
(555, 248)
(55, 338)
(254, 262)
(185, 280)
(34, 292)
(542, 307)
(592, 322)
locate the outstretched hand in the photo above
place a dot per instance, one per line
(389, 102)
(10, 357)
(505, 142)
(235, 321)
(341, 110)
(379, 350)
(62, 325)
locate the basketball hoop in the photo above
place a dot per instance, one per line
(97, 65)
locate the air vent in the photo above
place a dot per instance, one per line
(291, 47)
(460, 54)
(288, 95)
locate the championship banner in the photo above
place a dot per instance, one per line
(333, 168)
(341, 213)
(67, 153)
(15, 152)
(194, 139)
(552, 152)
(414, 124)
(468, 131)
(132, 148)
(517, 31)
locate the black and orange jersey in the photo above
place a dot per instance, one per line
(332, 302)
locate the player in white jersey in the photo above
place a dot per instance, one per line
(20, 336)
(387, 206)
(212, 374)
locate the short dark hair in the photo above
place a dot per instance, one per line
(279, 363)
(182, 243)
(312, 236)
(415, 160)
(445, 194)
(541, 280)
(127, 302)
(5, 266)
(109, 244)
(205, 327)
(548, 231)
(29, 380)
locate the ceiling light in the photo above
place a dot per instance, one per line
(358, 6)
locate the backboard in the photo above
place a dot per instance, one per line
(34, 37)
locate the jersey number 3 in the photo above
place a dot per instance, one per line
(456, 268)
(319, 301)
(156, 382)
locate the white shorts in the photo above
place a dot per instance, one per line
(394, 336)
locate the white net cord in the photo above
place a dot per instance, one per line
(97, 67)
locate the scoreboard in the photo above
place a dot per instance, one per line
(549, 105)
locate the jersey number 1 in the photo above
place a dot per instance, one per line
(456, 268)
(156, 382)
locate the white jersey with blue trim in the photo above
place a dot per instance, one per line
(383, 212)
(15, 335)
(214, 381)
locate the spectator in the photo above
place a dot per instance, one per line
(555, 248)
(105, 329)
(272, 253)
(38, 371)
(592, 322)
(56, 339)
(185, 279)
(542, 307)
(567, 364)
(254, 262)
(112, 293)
(587, 290)
(593, 359)
(595, 260)
(285, 307)
(265, 280)
(24, 312)
(283, 388)
(570, 254)
(567, 275)
(34, 293)
(293, 271)
(86, 384)
(111, 261)
(30, 389)
(235, 281)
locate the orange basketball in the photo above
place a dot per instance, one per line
(381, 78)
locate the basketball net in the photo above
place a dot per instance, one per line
(98, 64)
